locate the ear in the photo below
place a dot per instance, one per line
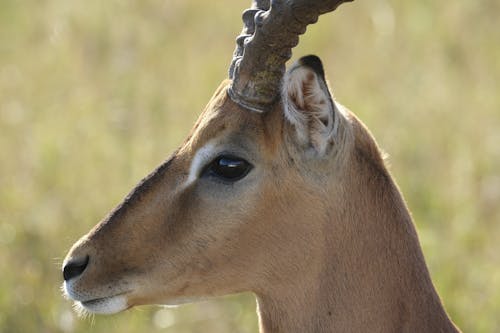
(308, 105)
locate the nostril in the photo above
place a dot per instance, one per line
(74, 268)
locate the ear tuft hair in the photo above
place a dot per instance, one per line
(309, 105)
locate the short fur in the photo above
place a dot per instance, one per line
(318, 230)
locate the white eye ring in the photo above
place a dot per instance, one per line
(200, 159)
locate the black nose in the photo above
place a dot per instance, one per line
(74, 267)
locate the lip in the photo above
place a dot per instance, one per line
(98, 300)
(105, 305)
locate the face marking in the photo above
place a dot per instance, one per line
(107, 305)
(201, 158)
(86, 303)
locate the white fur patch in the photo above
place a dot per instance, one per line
(201, 158)
(87, 303)
(107, 305)
(309, 108)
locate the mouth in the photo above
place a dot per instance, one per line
(104, 305)
(84, 304)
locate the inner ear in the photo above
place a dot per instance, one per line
(308, 104)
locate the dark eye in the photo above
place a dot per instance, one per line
(228, 168)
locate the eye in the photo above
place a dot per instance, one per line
(228, 168)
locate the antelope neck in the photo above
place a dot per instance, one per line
(370, 275)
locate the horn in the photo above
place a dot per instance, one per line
(271, 29)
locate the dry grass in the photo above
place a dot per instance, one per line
(94, 94)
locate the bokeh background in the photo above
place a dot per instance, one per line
(94, 94)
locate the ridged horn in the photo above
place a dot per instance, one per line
(271, 29)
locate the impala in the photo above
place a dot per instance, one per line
(278, 190)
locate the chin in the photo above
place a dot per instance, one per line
(105, 305)
(87, 303)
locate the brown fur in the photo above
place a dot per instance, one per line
(326, 244)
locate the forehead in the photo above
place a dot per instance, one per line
(223, 122)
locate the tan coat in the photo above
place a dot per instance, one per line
(317, 229)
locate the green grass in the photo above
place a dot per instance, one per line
(94, 94)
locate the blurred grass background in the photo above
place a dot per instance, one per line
(95, 94)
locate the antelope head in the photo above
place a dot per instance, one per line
(276, 189)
